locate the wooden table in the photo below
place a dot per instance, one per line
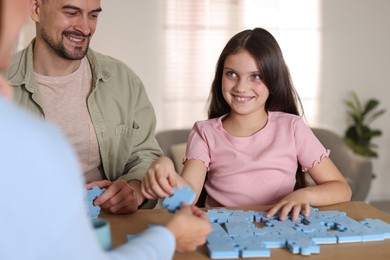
(121, 225)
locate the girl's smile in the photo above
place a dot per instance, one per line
(242, 98)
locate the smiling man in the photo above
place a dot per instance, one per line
(99, 103)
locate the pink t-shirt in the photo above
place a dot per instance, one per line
(254, 170)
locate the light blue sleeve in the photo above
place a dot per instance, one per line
(157, 242)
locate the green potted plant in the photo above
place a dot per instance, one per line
(359, 134)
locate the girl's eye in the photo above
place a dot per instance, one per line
(231, 74)
(256, 76)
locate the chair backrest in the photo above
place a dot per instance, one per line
(357, 170)
(172, 143)
(167, 138)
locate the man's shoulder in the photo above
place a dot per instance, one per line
(104, 59)
(18, 55)
(109, 64)
(18, 60)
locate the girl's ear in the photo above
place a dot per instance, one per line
(35, 10)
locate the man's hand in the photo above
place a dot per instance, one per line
(120, 197)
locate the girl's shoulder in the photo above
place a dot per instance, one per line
(288, 122)
(209, 123)
(209, 127)
(283, 118)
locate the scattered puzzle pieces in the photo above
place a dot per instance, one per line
(92, 194)
(235, 233)
(179, 196)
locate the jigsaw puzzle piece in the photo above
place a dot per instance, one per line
(249, 246)
(222, 247)
(223, 251)
(92, 194)
(377, 230)
(323, 237)
(302, 244)
(179, 196)
(219, 216)
(239, 229)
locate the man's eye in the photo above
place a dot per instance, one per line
(71, 13)
(95, 15)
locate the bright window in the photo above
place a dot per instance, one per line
(195, 33)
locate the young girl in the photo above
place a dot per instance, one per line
(255, 143)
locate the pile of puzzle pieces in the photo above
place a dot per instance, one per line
(92, 194)
(248, 234)
(237, 233)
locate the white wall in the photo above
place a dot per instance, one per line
(355, 56)
(132, 32)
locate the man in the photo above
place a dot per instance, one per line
(98, 102)
(43, 212)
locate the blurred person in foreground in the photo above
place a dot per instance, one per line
(44, 215)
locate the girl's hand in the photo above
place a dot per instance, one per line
(160, 179)
(294, 203)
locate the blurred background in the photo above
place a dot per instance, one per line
(332, 47)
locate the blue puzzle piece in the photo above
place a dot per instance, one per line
(219, 251)
(323, 237)
(378, 230)
(219, 215)
(179, 196)
(92, 194)
(302, 245)
(252, 249)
